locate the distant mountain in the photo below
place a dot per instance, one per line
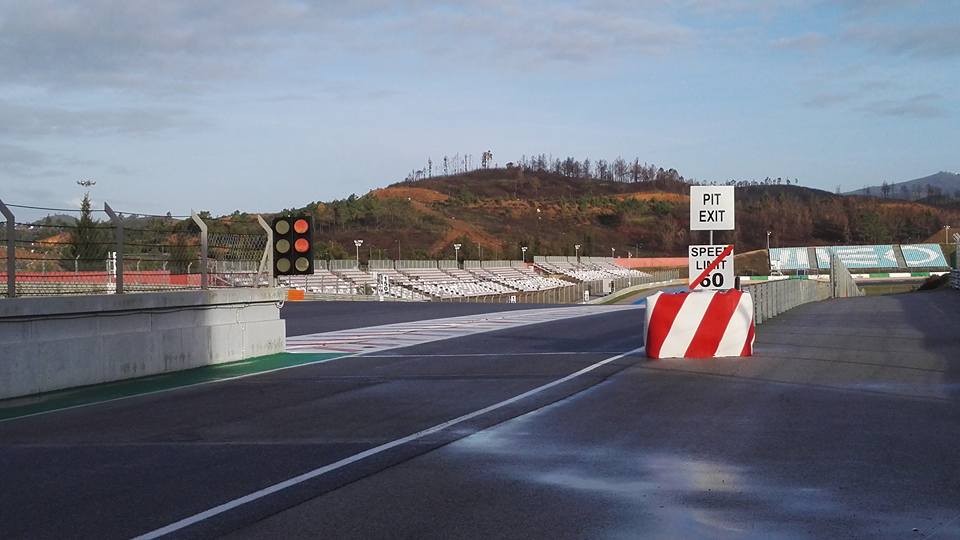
(941, 184)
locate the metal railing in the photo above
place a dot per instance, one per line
(771, 298)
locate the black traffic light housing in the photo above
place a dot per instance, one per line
(292, 245)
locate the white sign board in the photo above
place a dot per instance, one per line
(711, 208)
(704, 274)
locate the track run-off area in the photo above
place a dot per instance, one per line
(452, 421)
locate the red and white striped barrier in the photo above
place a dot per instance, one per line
(700, 324)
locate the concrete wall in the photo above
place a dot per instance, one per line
(62, 342)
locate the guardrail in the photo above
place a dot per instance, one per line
(775, 297)
(771, 298)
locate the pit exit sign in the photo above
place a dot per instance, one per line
(711, 208)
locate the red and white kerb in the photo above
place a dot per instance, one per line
(703, 324)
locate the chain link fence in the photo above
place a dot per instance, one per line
(91, 251)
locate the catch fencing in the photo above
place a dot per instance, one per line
(105, 252)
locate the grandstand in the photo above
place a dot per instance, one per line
(885, 257)
(595, 269)
(419, 280)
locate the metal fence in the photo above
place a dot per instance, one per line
(771, 298)
(108, 252)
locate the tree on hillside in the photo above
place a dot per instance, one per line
(620, 169)
(88, 246)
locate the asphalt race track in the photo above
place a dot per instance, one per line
(309, 317)
(844, 424)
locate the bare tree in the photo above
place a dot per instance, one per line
(620, 169)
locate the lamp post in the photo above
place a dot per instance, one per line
(523, 253)
(768, 240)
(358, 243)
(946, 236)
(613, 253)
(456, 252)
(576, 248)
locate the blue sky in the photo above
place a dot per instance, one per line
(257, 105)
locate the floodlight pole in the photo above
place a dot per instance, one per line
(523, 253)
(358, 243)
(576, 248)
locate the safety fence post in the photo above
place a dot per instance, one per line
(118, 228)
(11, 250)
(204, 279)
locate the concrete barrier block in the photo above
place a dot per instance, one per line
(126, 356)
(260, 312)
(226, 343)
(174, 355)
(54, 343)
(68, 363)
(13, 332)
(19, 370)
(266, 337)
(56, 329)
(127, 324)
(195, 343)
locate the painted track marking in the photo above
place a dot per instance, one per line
(320, 471)
(397, 335)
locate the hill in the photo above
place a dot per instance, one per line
(492, 212)
(936, 186)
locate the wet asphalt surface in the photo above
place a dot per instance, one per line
(845, 423)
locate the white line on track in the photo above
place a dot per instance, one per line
(320, 471)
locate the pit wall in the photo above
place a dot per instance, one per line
(55, 343)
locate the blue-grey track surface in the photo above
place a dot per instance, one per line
(845, 424)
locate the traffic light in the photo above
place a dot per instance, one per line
(292, 246)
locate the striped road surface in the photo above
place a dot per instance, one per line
(392, 336)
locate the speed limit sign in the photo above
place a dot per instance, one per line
(711, 267)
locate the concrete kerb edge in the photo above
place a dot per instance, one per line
(635, 289)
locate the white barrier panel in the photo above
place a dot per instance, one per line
(701, 324)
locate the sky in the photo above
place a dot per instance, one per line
(226, 105)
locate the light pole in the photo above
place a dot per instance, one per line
(768, 240)
(613, 253)
(523, 253)
(358, 243)
(946, 236)
(456, 253)
(576, 248)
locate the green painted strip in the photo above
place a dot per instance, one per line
(880, 275)
(88, 395)
(920, 274)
